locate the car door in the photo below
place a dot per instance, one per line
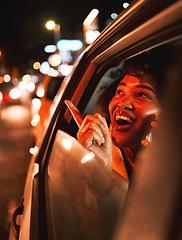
(125, 37)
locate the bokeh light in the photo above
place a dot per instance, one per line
(50, 48)
(65, 69)
(26, 78)
(44, 67)
(36, 103)
(53, 72)
(36, 65)
(125, 4)
(7, 78)
(15, 93)
(1, 96)
(31, 86)
(40, 91)
(114, 15)
(69, 45)
(22, 85)
(91, 36)
(54, 60)
(50, 25)
(90, 18)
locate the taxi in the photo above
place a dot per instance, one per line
(46, 211)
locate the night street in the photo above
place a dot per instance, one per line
(15, 140)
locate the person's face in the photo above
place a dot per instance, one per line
(131, 110)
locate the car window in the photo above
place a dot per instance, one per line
(59, 181)
(103, 92)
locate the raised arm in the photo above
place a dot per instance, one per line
(94, 135)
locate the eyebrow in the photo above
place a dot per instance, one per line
(139, 86)
(122, 84)
(146, 87)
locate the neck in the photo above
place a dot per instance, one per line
(131, 153)
(129, 159)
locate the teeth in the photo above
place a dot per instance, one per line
(124, 118)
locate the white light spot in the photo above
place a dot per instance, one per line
(54, 60)
(50, 48)
(22, 85)
(30, 86)
(114, 15)
(40, 91)
(44, 67)
(15, 93)
(125, 5)
(66, 143)
(33, 151)
(50, 25)
(65, 69)
(91, 36)
(88, 157)
(26, 78)
(36, 103)
(90, 18)
(7, 78)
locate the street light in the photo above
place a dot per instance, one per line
(51, 25)
(90, 26)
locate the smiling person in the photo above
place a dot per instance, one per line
(133, 109)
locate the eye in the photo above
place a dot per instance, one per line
(119, 92)
(144, 95)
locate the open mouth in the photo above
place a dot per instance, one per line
(124, 120)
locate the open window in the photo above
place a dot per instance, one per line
(59, 203)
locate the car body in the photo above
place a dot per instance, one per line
(45, 208)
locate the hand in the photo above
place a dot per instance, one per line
(94, 135)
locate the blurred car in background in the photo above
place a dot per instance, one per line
(42, 99)
(9, 93)
(46, 211)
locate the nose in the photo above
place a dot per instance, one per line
(127, 104)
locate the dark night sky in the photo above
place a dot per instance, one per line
(23, 33)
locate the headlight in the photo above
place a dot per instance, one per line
(15, 93)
